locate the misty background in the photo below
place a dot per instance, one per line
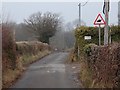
(68, 11)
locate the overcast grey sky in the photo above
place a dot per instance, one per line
(68, 10)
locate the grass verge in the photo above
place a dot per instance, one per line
(11, 76)
(85, 74)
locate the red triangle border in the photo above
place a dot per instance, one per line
(95, 22)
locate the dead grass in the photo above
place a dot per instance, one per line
(27, 59)
(71, 57)
(85, 74)
(10, 76)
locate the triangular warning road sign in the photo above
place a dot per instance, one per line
(99, 20)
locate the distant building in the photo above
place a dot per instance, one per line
(119, 13)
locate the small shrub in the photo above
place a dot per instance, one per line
(88, 49)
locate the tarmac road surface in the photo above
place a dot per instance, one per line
(49, 72)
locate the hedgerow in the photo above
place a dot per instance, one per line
(8, 48)
(102, 62)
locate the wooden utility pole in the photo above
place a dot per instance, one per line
(79, 14)
(106, 11)
(79, 26)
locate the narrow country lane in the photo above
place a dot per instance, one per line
(49, 72)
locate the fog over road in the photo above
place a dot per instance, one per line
(49, 72)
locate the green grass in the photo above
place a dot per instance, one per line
(28, 58)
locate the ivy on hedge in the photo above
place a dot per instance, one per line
(93, 32)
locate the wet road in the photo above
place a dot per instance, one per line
(49, 72)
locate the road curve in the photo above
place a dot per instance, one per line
(49, 72)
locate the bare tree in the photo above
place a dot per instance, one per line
(44, 25)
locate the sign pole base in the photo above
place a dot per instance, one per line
(99, 36)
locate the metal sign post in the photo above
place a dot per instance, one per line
(99, 21)
(99, 36)
(79, 26)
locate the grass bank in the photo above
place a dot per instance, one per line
(27, 53)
